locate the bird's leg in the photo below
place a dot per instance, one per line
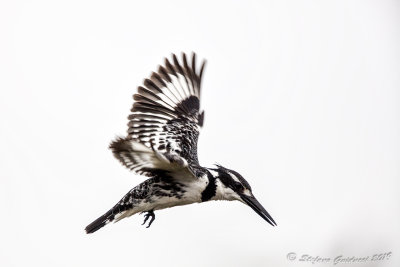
(147, 216)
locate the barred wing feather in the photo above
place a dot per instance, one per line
(164, 124)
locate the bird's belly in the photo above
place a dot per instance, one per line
(169, 202)
(191, 193)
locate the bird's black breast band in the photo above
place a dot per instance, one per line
(210, 189)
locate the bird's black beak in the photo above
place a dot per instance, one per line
(257, 207)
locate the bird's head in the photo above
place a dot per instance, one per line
(234, 187)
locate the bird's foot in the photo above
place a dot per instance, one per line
(147, 216)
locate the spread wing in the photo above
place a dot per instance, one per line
(165, 120)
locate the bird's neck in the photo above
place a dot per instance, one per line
(215, 189)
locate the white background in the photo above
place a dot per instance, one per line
(301, 97)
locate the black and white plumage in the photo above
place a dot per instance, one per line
(161, 144)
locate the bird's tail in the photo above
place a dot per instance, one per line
(100, 222)
(122, 209)
(130, 204)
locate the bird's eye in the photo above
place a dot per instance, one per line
(238, 186)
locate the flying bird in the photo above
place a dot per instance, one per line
(161, 144)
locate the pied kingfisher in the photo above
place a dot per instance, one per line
(161, 144)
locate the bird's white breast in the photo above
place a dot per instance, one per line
(193, 186)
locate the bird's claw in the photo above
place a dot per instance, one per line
(147, 216)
